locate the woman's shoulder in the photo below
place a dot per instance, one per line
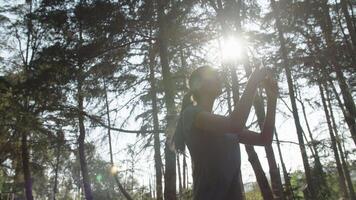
(189, 114)
(192, 108)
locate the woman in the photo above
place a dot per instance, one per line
(213, 139)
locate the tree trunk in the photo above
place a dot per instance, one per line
(342, 184)
(81, 138)
(185, 174)
(342, 157)
(325, 22)
(179, 176)
(81, 143)
(170, 155)
(313, 144)
(289, 190)
(299, 130)
(320, 177)
(121, 187)
(348, 118)
(58, 154)
(276, 180)
(348, 101)
(26, 166)
(156, 137)
(24, 145)
(260, 174)
(350, 26)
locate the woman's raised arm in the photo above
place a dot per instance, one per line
(242, 110)
(237, 120)
(266, 136)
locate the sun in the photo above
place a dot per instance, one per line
(231, 48)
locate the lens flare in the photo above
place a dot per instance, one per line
(114, 169)
(231, 48)
(99, 177)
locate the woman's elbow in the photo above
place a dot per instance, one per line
(267, 140)
(235, 128)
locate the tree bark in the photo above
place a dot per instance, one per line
(350, 26)
(260, 174)
(342, 157)
(299, 130)
(121, 187)
(81, 138)
(185, 174)
(24, 145)
(342, 184)
(58, 151)
(318, 168)
(276, 180)
(348, 118)
(156, 136)
(325, 22)
(179, 176)
(81, 143)
(170, 155)
(26, 166)
(289, 190)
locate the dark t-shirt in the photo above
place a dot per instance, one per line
(215, 158)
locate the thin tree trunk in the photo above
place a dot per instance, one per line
(350, 26)
(318, 168)
(185, 174)
(326, 26)
(342, 157)
(156, 137)
(348, 118)
(313, 144)
(81, 138)
(179, 176)
(299, 130)
(342, 184)
(121, 187)
(81, 143)
(184, 164)
(170, 155)
(58, 151)
(276, 180)
(24, 145)
(289, 190)
(260, 174)
(26, 166)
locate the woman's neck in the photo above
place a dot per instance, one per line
(206, 104)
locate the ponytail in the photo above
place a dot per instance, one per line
(178, 137)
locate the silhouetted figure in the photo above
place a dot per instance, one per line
(213, 139)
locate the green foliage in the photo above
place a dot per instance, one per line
(254, 193)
